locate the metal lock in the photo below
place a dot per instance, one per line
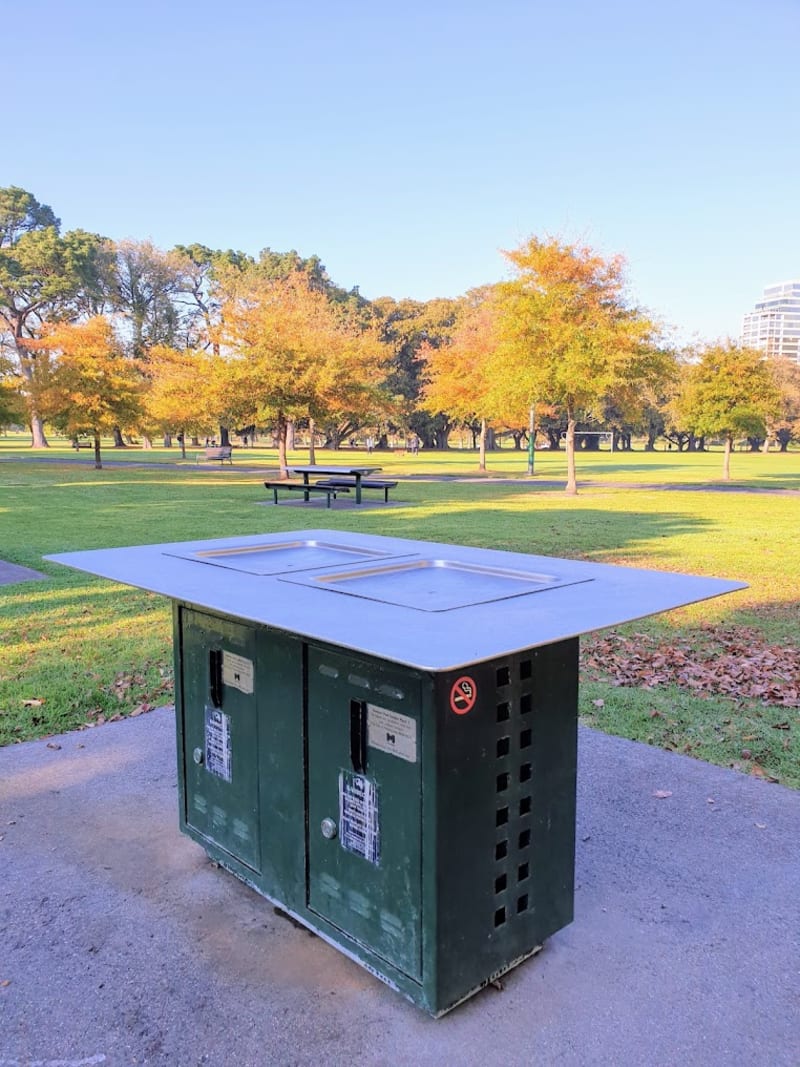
(197, 756)
(328, 828)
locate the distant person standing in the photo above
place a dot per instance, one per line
(414, 444)
(370, 444)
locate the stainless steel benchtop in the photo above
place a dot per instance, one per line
(423, 604)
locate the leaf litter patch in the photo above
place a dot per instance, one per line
(733, 663)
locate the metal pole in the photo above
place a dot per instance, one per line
(531, 436)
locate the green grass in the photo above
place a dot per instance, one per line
(774, 470)
(76, 650)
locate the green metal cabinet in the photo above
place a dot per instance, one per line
(423, 822)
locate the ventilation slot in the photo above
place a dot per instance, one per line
(514, 776)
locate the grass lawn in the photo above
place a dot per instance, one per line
(76, 650)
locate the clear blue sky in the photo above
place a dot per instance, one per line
(406, 144)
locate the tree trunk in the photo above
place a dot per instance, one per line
(38, 438)
(98, 464)
(280, 433)
(726, 458)
(167, 440)
(146, 441)
(312, 453)
(482, 447)
(118, 442)
(572, 482)
(290, 435)
(224, 437)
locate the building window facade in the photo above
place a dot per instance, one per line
(774, 326)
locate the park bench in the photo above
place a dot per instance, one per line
(366, 483)
(220, 453)
(328, 490)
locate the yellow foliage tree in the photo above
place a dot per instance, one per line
(83, 383)
(568, 334)
(180, 394)
(288, 352)
(459, 377)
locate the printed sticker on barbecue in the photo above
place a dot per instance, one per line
(388, 731)
(218, 744)
(237, 672)
(359, 823)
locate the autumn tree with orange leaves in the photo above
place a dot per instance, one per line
(459, 375)
(82, 381)
(289, 353)
(569, 336)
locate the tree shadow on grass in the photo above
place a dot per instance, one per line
(576, 533)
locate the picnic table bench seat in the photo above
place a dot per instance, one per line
(366, 483)
(329, 490)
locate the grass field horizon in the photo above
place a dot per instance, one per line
(75, 651)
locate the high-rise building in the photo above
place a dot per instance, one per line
(774, 326)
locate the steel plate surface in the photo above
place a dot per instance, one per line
(436, 584)
(283, 556)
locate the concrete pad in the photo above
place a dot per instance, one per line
(121, 944)
(11, 573)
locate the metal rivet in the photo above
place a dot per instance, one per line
(328, 828)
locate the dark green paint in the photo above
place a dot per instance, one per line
(477, 834)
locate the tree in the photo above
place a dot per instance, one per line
(784, 424)
(12, 406)
(43, 277)
(569, 336)
(146, 282)
(729, 393)
(458, 374)
(289, 352)
(406, 326)
(83, 382)
(179, 395)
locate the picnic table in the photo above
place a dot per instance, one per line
(357, 473)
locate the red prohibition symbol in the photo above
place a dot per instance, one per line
(463, 695)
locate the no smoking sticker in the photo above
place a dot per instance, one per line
(463, 695)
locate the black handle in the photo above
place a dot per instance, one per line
(215, 674)
(358, 735)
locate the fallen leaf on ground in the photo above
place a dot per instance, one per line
(662, 794)
(52, 744)
(729, 662)
(36, 703)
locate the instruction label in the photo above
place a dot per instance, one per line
(218, 743)
(359, 822)
(237, 672)
(391, 732)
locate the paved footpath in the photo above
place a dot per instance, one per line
(121, 944)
